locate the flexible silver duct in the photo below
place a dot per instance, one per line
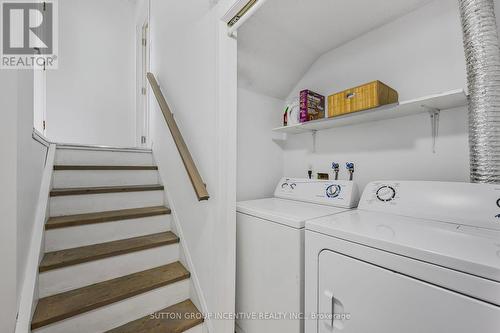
(482, 53)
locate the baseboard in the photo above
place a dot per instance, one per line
(237, 329)
(29, 290)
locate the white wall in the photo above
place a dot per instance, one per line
(188, 56)
(418, 54)
(8, 170)
(30, 163)
(22, 162)
(91, 97)
(260, 159)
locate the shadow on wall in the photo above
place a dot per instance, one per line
(394, 149)
(403, 134)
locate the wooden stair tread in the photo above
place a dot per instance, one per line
(107, 216)
(71, 303)
(186, 311)
(104, 189)
(104, 167)
(68, 257)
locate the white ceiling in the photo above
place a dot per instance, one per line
(278, 44)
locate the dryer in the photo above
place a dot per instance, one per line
(414, 257)
(270, 251)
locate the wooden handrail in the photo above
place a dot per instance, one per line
(187, 159)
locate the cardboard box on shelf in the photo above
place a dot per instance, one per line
(312, 106)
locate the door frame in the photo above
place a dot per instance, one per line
(40, 100)
(143, 63)
(40, 93)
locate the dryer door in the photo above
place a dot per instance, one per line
(367, 298)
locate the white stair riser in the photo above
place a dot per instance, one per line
(77, 276)
(196, 329)
(91, 178)
(80, 204)
(120, 313)
(100, 157)
(70, 237)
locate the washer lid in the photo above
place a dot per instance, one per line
(289, 212)
(466, 249)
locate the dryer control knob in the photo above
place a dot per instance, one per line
(386, 193)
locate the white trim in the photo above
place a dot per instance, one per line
(40, 98)
(29, 291)
(39, 137)
(177, 227)
(226, 122)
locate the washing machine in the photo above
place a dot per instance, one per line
(270, 251)
(414, 257)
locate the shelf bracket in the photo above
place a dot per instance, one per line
(314, 133)
(434, 113)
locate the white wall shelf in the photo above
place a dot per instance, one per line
(448, 100)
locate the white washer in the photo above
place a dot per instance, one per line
(414, 257)
(270, 251)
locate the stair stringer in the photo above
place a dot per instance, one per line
(29, 289)
(196, 292)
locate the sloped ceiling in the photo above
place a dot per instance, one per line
(281, 41)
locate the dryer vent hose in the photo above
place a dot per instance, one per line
(482, 54)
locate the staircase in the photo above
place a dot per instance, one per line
(112, 261)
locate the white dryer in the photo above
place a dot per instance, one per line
(414, 257)
(270, 251)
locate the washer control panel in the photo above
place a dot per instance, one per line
(333, 191)
(469, 204)
(338, 193)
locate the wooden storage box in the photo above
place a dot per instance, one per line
(367, 96)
